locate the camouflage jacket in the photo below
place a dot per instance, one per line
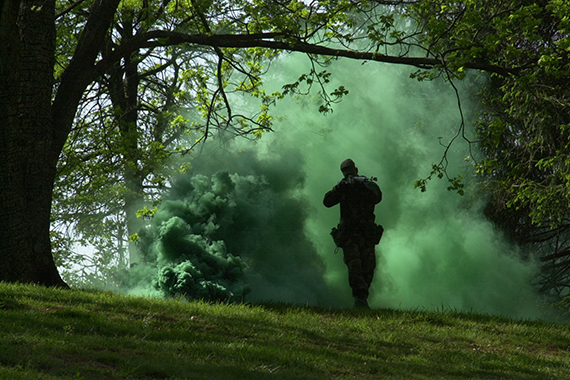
(357, 201)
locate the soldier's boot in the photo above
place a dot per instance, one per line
(361, 304)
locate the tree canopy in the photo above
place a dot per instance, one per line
(523, 129)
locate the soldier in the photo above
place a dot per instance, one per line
(357, 233)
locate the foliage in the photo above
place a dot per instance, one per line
(523, 131)
(525, 137)
(49, 333)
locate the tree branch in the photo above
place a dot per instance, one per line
(156, 38)
(77, 76)
(68, 9)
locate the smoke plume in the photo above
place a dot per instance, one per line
(237, 228)
(256, 209)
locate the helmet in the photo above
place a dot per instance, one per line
(348, 167)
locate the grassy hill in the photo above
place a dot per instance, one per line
(59, 334)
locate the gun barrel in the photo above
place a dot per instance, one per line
(363, 179)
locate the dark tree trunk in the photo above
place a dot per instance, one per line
(29, 155)
(33, 129)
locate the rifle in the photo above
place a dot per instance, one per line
(353, 179)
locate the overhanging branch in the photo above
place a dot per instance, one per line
(279, 41)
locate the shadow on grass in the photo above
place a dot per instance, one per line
(105, 336)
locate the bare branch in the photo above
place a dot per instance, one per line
(68, 9)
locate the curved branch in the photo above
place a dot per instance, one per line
(68, 9)
(80, 71)
(156, 38)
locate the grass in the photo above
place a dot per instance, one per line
(74, 334)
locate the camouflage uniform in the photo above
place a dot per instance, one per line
(357, 233)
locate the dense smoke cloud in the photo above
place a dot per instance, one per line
(437, 251)
(237, 228)
(189, 262)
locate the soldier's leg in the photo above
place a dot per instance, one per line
(368, 262)
(355, 274)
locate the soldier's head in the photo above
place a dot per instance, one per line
(347, 167)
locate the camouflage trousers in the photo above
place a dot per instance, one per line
(360, 258)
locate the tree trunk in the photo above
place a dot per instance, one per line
(33, 129)
(123, 88)
(124, 80)
(29, 156)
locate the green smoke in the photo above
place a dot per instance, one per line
(179, 243)
(234, 228)
(437, 250)
(271, 231)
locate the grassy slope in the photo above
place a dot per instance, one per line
(56, 334)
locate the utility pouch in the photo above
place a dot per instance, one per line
(339, 237)
(377, 233)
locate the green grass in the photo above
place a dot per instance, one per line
(73, 334)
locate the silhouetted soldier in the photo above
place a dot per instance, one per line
(357, 233)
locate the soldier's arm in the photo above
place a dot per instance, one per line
(375, 192)
(332, 197)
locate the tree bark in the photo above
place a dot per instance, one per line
(33, 129)
(28, 158)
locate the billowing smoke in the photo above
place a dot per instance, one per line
(189, 261)
(237, 228)
(438, 250)
(257, 208)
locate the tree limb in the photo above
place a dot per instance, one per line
(156, 38)
(77, 75)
